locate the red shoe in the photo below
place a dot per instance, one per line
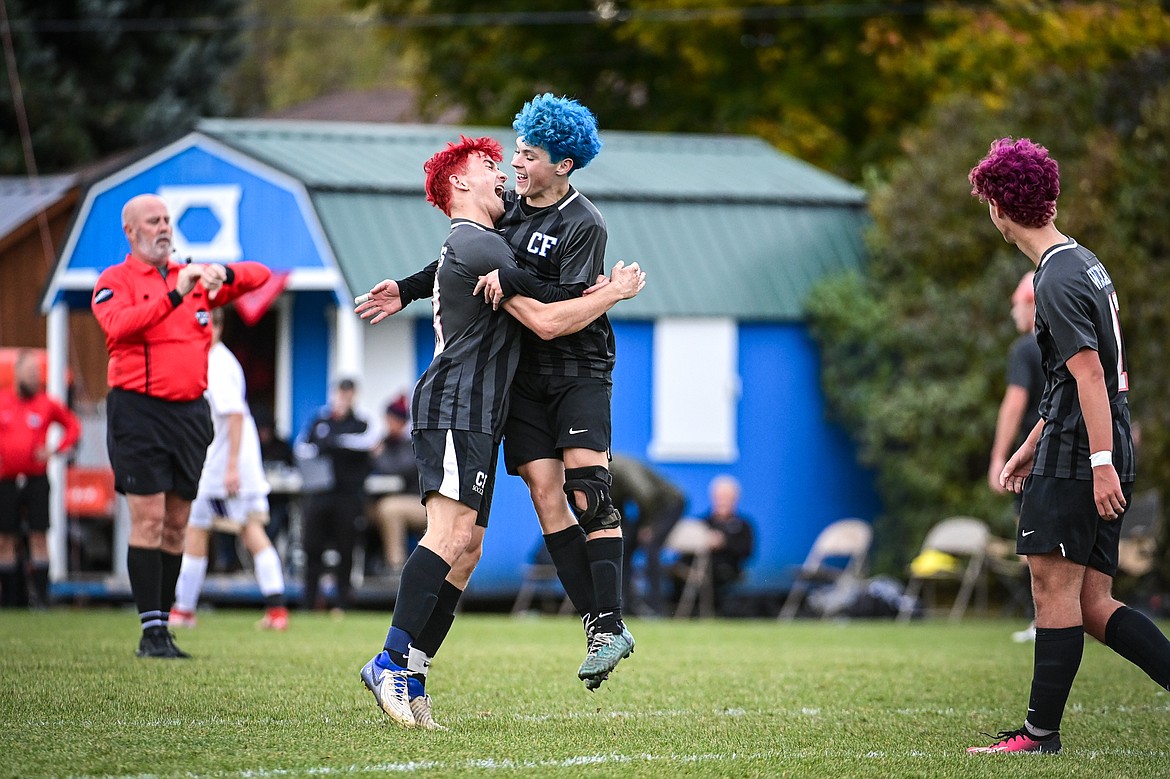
(276, 618)
(181, 619)
(1019, 741)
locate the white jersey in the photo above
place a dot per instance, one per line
(225, 395)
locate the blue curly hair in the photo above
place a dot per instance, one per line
(561, 126)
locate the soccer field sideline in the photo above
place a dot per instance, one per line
(785, 699)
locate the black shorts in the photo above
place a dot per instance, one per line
(28, 502)
(157, 445)
(1060, 514)
(548, 414)
(458, 464)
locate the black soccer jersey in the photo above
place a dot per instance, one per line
(1076, 308)
(476, 348)
(561, 251)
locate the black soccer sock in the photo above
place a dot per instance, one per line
(605, 563)
(422, 579)
(1132, 635)
(1057, 658)
(567, 548)
(171, 565)
(40, 582)
(145, 569)
(431, 637)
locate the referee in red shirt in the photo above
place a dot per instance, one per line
(156, 314)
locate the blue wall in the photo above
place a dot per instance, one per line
(798, 470)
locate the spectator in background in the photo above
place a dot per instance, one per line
(233, 493)
(1019, 411)
(26, 414)
(398, 512)
(732, 540)
(339, 439)
(657, 504)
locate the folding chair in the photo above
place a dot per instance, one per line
(965, 539)
(845, 542)
(692, 537)
(540, 577)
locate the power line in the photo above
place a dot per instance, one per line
(606, 14)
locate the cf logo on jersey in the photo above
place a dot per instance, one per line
(540, 243)
(480, 481)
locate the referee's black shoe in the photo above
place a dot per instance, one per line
(157, 642)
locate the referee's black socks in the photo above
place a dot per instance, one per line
(145, 569)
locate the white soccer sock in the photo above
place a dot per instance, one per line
(418, 661)
(269, 574)
(190, 583)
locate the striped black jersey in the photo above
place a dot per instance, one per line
(1076, 308)
(476, 348)
(560, 250)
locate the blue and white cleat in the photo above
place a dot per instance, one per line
(389, 687)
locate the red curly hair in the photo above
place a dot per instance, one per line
(451, 161)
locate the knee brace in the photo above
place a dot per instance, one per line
(593, 482)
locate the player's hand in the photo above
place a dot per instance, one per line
(602, 281)
(993, 473)
(42, 454)
(628, 280)
(493, 293)
(380, 302)
(1018, 467)
(231, 480)
(1107, 492)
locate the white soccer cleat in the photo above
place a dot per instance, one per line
(388, 686)
(420, 706)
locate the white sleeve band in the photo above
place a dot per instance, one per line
(1097, 459)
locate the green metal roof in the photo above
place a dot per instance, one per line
(724, 225)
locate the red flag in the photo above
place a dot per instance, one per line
(251, 306)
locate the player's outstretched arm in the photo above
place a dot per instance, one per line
(553, 320)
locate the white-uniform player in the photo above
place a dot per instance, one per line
(233, 493)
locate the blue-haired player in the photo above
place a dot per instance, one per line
(557, 435)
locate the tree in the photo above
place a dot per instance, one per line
(913, 354)
(98, 77)
(802, 75)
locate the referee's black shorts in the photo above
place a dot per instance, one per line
(157, 445)
(548, 414)
(1061, 515)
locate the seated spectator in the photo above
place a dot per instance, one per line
(400, 512)
(732, 541)
(650, 506)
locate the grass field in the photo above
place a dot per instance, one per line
(697, 699)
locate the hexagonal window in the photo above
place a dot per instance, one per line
(199, 224)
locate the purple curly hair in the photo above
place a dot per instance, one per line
(561, 126)
(1020, 178)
